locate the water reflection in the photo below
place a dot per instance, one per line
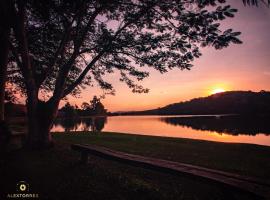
(215, 128)
(95, 124)
(233, 125)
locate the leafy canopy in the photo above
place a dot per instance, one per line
(256, 2)
(76, 43)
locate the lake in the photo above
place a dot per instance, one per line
(222, 128)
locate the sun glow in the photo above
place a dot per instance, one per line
(217, 90)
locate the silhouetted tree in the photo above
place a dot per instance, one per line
(62, 45)
(94, 108)
(97, 107)
(86, 109)
(5, 28)
(69, 111)
(85, 106)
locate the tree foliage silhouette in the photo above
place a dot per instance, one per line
(94, 108)
(256, 2)
(61, 46)
(69, 111)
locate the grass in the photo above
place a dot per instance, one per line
(56, 173)
(244, 159)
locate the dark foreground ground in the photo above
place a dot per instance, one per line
(57, 174)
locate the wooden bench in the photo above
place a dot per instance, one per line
(251, 185)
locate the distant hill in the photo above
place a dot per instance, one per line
(231, 102)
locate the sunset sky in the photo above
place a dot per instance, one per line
(238, 67)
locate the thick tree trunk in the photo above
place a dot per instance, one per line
(40, 120)
(40, 115)
(4, 50)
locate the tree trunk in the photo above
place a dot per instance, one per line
(41, 116)
(4, 50)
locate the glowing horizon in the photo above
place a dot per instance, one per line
(217, 90)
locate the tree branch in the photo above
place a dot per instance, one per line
(83, 74)
(92, 63)
(15, 54)
(20, 34)
(61, 78)
(61, 48)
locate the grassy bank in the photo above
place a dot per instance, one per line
(245, 159)
(56, 173)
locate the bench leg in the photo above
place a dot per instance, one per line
(84, 158)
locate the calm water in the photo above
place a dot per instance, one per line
(215, 128)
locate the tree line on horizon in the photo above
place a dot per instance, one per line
(94, 108)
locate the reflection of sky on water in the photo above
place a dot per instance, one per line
(222, 128)
(79, 124)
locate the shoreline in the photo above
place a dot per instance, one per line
(157, 136)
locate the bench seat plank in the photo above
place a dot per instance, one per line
(252, 185)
